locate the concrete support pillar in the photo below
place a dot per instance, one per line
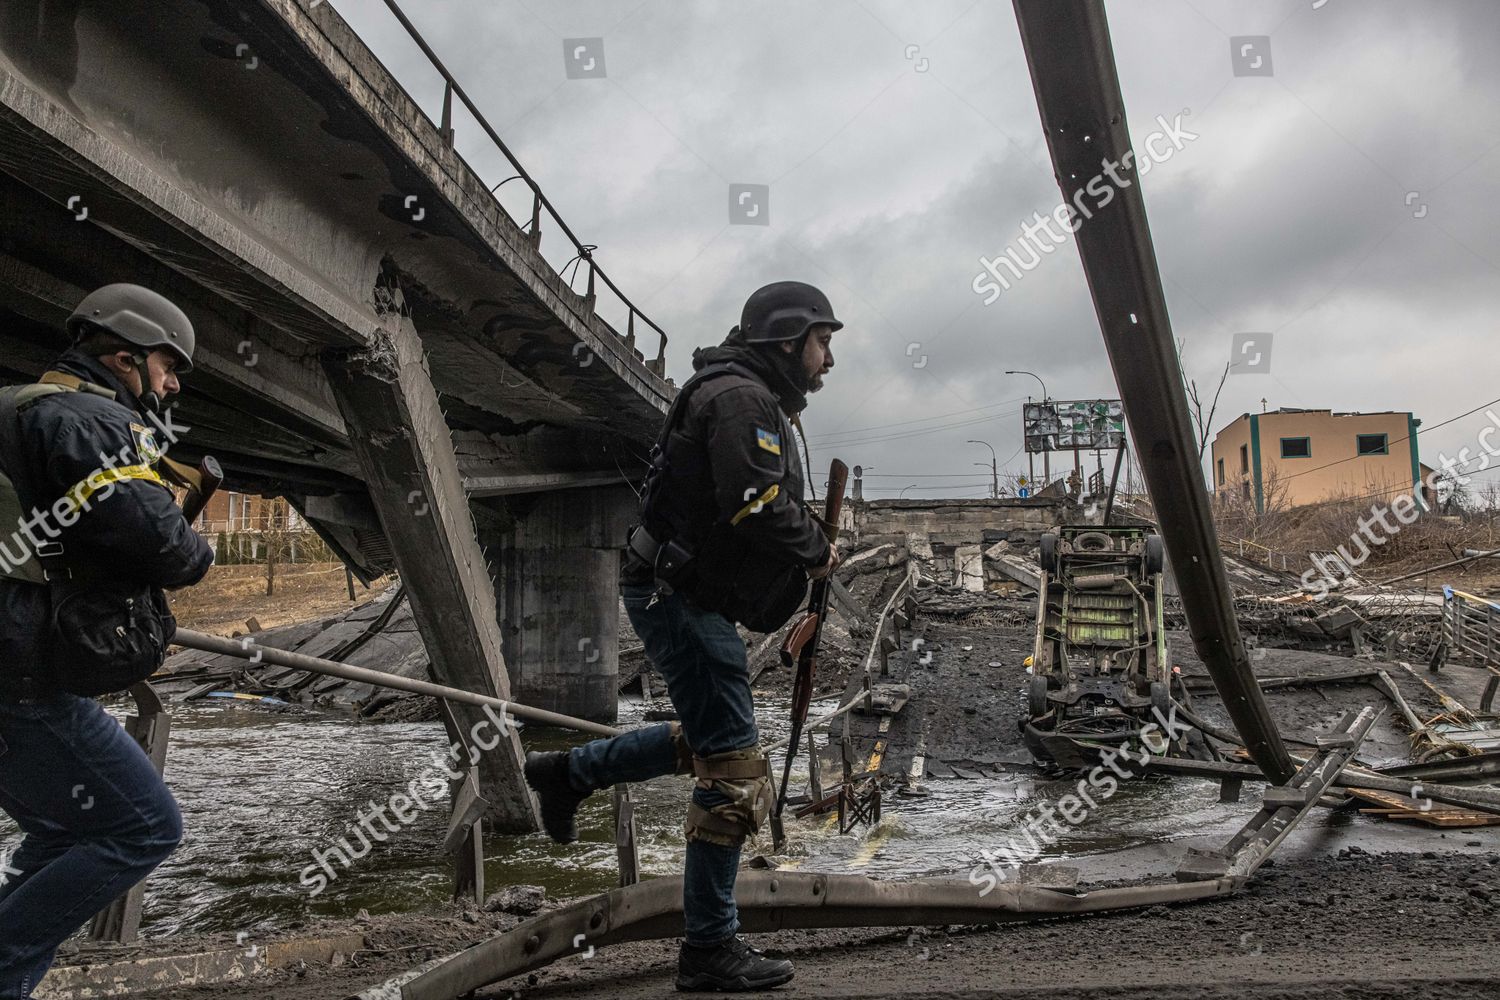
(405, 454)
(559, 598)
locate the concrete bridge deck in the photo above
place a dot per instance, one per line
(379, 340)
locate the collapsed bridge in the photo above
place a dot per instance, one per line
(378, 340)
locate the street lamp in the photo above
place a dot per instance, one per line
(1018, 371)
(1046, 455)
(994, 468)
(902, 495)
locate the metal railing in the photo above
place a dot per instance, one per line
(533, 228)
(1471, 637)
(1269, 557)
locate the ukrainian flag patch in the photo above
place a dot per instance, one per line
(770, 442)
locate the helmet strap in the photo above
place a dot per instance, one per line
(149, 399)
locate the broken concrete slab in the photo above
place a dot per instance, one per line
(968, 567)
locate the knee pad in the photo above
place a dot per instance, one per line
(744, 778)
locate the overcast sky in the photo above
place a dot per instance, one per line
(1347, 203)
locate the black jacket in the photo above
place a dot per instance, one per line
(133, 529)
(732, 465)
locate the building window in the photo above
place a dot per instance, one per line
(1244, 458)
(1373, 444)
(1296, 447)
(1221, 472)
(1245, 488)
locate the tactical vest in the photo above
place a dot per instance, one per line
(702, 555)
(14, 400)
(101, 633)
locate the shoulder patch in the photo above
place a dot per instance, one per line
(767, 440)
(145, 444)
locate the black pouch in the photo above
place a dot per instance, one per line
(106, 636)
(746, 585)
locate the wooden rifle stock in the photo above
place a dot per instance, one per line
(800, 648)
(201, 483)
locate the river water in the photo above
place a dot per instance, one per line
(261, 790)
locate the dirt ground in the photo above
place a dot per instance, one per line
(228, 595)
(1348, 926)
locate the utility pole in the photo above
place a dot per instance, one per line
(994, 468)
(1030, 459)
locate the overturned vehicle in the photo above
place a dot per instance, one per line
(1100, 675)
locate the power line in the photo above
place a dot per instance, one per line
(1408, 437)
(923, 475)
(1382, 494)
(856, 432)
(919, 432)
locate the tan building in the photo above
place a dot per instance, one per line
(1303, 456)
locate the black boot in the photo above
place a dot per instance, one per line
(547, 774)
(730, 967)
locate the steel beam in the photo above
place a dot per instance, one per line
(1083, 115)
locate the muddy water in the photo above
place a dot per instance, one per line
(261, 791)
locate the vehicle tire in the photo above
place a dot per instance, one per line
(1161, 699)
(1047, 557)
(1156, 555)
(1093, 541)
(1036, 696)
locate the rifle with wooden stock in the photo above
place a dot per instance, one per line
(799, 650)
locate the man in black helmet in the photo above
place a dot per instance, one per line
(89, 534)
(724, 537)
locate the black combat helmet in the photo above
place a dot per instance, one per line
(783, 311)
(138, 316)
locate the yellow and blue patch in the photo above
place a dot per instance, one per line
(770, 442)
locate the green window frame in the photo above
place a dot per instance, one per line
(1362, 448)
(1306, 447)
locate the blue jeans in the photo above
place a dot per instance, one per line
(97, 819)
(702, 658)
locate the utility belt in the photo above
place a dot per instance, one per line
(726, 575)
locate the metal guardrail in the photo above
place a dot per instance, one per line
(584, 251)
(1270, 555)
(1471, 637)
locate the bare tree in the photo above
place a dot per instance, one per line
(277, 536)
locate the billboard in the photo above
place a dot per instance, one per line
(1065, 424)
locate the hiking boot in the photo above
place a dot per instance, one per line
(547, 774)
(731, 967)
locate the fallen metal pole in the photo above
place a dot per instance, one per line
(1083, 116)
(248, 649)
(767, 901)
